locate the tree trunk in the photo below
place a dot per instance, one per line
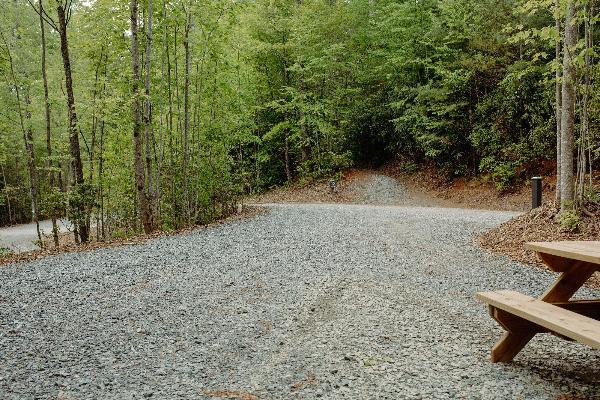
(170, 120)
(50, 164)
(76, 164)
(96, 93)
(10, 219)
(33, 176)
(568, 109)
(186, 117)
(140, 180)
(164, 122)
(558, 107)
(148, 133)
(101, 181)
(304, 140)
(175, 186)
(584, 124)
(288, 172)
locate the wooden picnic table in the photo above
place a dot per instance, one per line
(523, 317)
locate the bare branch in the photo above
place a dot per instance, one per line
(48, 19)
(69, 10)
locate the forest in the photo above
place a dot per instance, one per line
(143, 115)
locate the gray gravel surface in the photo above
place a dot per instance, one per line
(302, 302)
(384, 190)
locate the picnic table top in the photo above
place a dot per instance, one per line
(588, 251)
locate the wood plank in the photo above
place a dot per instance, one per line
(513, 323)
(569, 282)
(588, 251)
(560, 264)
(589, 308)
(564, 322)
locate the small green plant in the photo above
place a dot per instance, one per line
(593, 196)
(409, 167)
(121, 233)
(501, 173)
(5, 251)
(570, 220)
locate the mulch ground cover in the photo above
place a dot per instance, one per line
(540, 225)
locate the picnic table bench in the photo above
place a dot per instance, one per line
(523, 317)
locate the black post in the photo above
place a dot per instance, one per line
(536, 191)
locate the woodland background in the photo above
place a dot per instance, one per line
(159, 114)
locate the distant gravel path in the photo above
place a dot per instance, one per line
(303, 302)
(19, 238)
(384, 190)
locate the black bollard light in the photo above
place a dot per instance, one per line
(536, 192)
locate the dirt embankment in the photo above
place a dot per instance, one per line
(473, 193)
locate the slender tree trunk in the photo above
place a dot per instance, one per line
(169, 119)
(33, 175)
(164, 120)
(591, 22)
(568, 108)
(50, 164)
(101, 180)
(140, 180)
(288, 172)
(558, 106)
(148, 133)
(584, 125)
(177, 86)
(10, 219)
(96, 93)
(186, 112)
(176, 207)
(304, 142)
(76, 164)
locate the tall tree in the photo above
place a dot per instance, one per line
(140, 181)
(151, 193)
(557, 100)
(64, 9)
(47, 114)
(186, 113)
(568, 107)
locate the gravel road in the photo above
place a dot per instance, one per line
(378, 189)
(20, 238)
(302, 302)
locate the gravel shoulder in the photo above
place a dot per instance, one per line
(304, 301)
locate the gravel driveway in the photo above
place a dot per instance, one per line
(302, 302)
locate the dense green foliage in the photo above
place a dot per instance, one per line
(278, 90)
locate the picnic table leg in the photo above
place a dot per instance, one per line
(518, 333)
(507, 348)
(569, 282)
